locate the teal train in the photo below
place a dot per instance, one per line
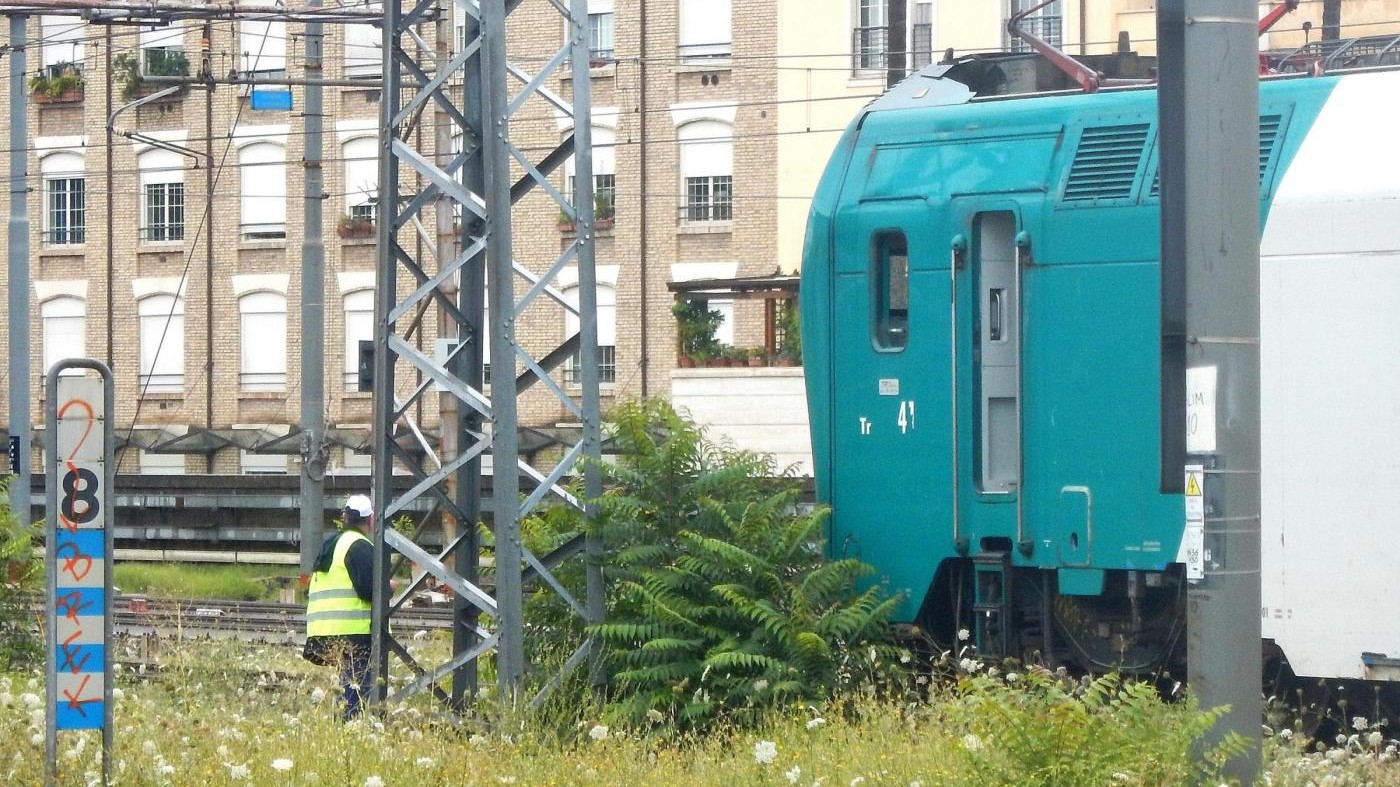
(980, 325)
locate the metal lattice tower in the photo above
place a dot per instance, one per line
(470, 90)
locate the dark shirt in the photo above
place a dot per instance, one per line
(359, 562)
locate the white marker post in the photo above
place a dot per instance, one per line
(78, 447)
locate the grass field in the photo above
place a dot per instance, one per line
(240, 714)
(203, 580)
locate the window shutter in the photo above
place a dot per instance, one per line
(705, 28)
(361, 171)
(263, 168)
(162, 345)
(65, 330)
(163, 36)
(359, 324)
(263, 45)
(63, 40)
(263, 318)
(161, 166)
(364, 48)
(707, 149)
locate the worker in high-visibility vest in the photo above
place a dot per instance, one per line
(338, 603)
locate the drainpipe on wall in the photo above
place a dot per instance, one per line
(111, 207)
(208, 243)
(644, 202)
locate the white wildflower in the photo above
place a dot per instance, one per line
(1012, 677)
(148, 746)
(239, 772)
(1374, 738)
(1358, 723)
(916, 783)
(963, 634)
(1341, 740)
(904, 657)
(476, 740)
(1285, 733)
(38, 739)
(654, 715)
(971, 742)
(282, 764)
(425, 762)
(760, 685)
(318, 694)
(117, 693)
(794, 774)
(374, 781)
(30, 700)
(764, 752)
(1121, 777)
(1336, 755)
(165, 769)
(506, 779)
(812, 724)
(599, 732)
(222, 751)
(857, 780)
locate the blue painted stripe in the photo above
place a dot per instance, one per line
(85, 716)
(78, 659)
(89, 543)
(72, 602)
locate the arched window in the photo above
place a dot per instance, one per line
(65, 330)
(705, 30)
(707, 170)
(607, 335)
(62, 38)
(65, 199)
(364, 47)
(263, 46)
(162, 319)
(359, 325)
(162, 195)
(361, 156)
(604, 173)
(263, 169)
(263, 323)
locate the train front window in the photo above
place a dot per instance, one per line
(890, 277)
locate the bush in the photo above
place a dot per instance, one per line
(19, 587)
(696, 325)
(721, 603)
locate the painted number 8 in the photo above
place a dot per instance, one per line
(87, 494)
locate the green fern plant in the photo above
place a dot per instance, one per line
(722, 603)
(22, 575)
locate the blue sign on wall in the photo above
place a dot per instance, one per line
(272, 99)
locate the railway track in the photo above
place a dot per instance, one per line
(264, 621)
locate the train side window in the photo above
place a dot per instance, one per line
(890, 277)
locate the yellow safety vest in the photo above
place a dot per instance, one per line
(333, 609)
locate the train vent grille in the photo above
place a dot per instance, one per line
(1106, 163)
(1268, 138)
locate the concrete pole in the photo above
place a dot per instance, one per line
(313, 323)
(19, 269)
(1209, 110)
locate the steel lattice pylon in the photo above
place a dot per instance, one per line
(479, 184)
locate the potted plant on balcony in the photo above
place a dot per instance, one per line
(565, 222)
(603, 212)
(61, 83)
(696, 325)
(354, 227)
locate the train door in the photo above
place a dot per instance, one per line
(987, 369)
(890, 391)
